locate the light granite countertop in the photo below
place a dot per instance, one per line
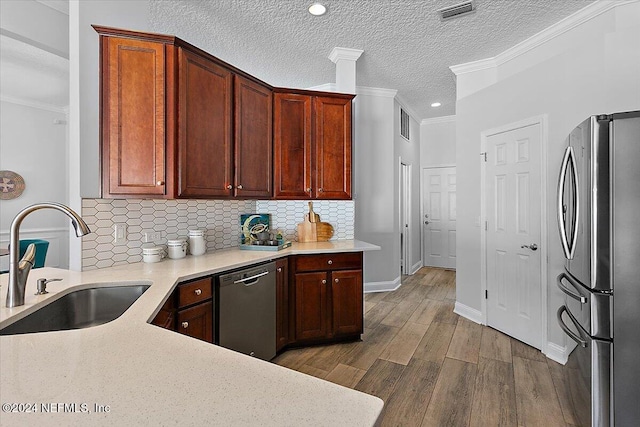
(147, 375)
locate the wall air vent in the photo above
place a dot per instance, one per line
(457, 10)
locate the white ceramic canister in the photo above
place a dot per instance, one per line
(152, 253)
(177, 248)
(197, 244)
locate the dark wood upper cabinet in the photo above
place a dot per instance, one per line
(205, 138)
(333, 147)
(312, 145)
(176, 122)
(133, 119)
(253, 144)
(292, 146)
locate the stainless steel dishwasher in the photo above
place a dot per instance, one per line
(247, 311)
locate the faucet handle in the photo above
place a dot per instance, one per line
(42, 285)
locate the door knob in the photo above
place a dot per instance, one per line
(532, 246)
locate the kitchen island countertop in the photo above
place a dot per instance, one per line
(129, 372)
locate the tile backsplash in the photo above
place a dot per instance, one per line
(173, 218)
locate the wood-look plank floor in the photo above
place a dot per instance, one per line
(433, 368)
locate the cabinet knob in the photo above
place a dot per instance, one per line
(239, 187)
(320, 190)
(185, 325)
(324, 282)
(198, 291)
(336, 280)
(308, 189)
(329, 262)
(279, 269)
(160, 183)
(229, 187)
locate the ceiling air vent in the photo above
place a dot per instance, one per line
(457, 10)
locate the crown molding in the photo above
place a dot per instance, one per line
(470, 67)
(376, 91)
(326, 87)
(34, 104)
(406, 108)
(57, 5)
(585, 14)
(339, 53)
(435, 120)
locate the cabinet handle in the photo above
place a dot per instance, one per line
(229, 187)
(324, 282)
(336, 280)
(198, 291)
(160, 183)
(239, 187)
(329, 262)
(185, 325)
(279, 269)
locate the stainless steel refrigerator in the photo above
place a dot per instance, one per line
(599, 222)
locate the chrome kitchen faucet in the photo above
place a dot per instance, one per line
(19, 269)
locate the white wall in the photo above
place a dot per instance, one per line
(36, 148)
(593, 68)
(374, 191)
(36, 24)
(438, 142)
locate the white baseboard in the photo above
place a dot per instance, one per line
(415, 267)
(468, 312)
(557, 353)
(382, 286)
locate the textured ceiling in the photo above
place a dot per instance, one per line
(406, 46)
(32, 74)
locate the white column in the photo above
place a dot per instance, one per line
(345, 60)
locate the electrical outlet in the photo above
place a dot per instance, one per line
(119, 234)
(153, 236)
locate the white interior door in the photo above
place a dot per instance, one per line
(513, 198)
(439, 217)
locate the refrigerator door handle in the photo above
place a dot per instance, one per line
(575, 295)
(569, 156)
(565, 328)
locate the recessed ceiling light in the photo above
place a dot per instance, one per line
(436, 104)
(317, 9)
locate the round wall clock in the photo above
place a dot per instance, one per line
(11, 185)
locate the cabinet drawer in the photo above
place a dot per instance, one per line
(194, 292)
(337, 261)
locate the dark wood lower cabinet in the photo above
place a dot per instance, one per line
(311, 306)
(197, 321)
(189, 310)
(319, 299)
(328, 295)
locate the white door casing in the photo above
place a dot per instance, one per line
(514, 207)
(405, 218)
(439, 217)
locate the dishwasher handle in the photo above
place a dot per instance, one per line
(254, 279)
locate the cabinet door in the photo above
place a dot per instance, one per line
(332, 148)
(253, 148)
(292, 146)
(205, 149)
(133, 115)
(311, 306)
(347, 296)
(282, 303)
(197, 321)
